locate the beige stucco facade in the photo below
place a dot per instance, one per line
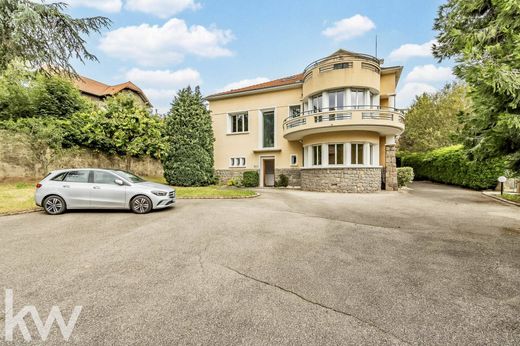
(336, 114)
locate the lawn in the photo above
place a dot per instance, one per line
(511, 197)
(16, 197)
(19, 196)
(212, 191)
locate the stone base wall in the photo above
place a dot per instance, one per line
(347, 179)
(294, 175)
(390, 169)
(224, 175)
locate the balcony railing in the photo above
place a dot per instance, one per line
(340, 114)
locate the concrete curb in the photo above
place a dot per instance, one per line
(221, 197)
(21, 212)
(500, 199)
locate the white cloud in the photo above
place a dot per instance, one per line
(348, 28)
(407, 93)
(411, 50)
(243, 83)
(430, 73)
(161, 8)
(154, 45)
(160, 86)
(102, 5)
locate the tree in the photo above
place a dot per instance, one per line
(188, 160)
(482, 37)
(26, 94)
(55, 96)
(123, 126)
(43, 37)
(433, 120)
(15, 94)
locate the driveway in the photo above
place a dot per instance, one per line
(433, 265)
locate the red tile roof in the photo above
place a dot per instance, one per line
(297, 78)
(93, 87)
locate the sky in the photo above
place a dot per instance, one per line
(165, 45)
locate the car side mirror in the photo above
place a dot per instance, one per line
(119, 182)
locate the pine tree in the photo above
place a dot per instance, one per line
(189, 154)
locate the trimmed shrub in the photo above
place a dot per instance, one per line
(404, 176)
(451, 165)
(235, 181)
(283, 181)
(251, 179)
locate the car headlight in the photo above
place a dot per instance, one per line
(160, 193)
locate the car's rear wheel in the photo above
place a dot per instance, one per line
(141, 204)
(54, 205)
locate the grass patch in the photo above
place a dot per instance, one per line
(212, 191)
(16, 197)
(511, 197)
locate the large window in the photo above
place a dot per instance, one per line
(239, 123)
(357, 97)
(316, 103)
(356, 153)
(316, 155)
(268, 129)
(336, 100)
(336, 154)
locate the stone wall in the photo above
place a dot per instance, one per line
(18, 160)
(351, 179)
(294, 175)
(224, 175)
(390, 168)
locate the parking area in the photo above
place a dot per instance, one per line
(432, 265)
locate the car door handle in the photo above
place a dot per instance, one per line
(96, 187)
(66, 186)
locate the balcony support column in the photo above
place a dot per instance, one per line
(390, 166)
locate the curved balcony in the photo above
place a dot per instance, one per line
(384, 120)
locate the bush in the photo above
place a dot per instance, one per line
(404, 176)
(283, 181)
(251, 179)
(235, 181)
(451, 165)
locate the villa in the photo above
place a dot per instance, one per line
(331, 128)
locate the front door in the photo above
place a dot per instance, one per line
(268, 172)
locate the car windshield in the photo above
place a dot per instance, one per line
(129, 176)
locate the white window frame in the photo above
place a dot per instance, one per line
(237, 162)
(336, 154)
(354, 154)
(238, 115)
(317, 157)
(295, 157)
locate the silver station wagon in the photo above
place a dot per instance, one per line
(93, 188)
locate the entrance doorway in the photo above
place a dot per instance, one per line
(268, 172)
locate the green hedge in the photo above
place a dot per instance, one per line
(251, 178)
(450, 165)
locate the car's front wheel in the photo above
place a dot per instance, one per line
(54, 205)
(141, 204)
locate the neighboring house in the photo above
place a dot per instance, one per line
(98, 92)
(331, 128)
